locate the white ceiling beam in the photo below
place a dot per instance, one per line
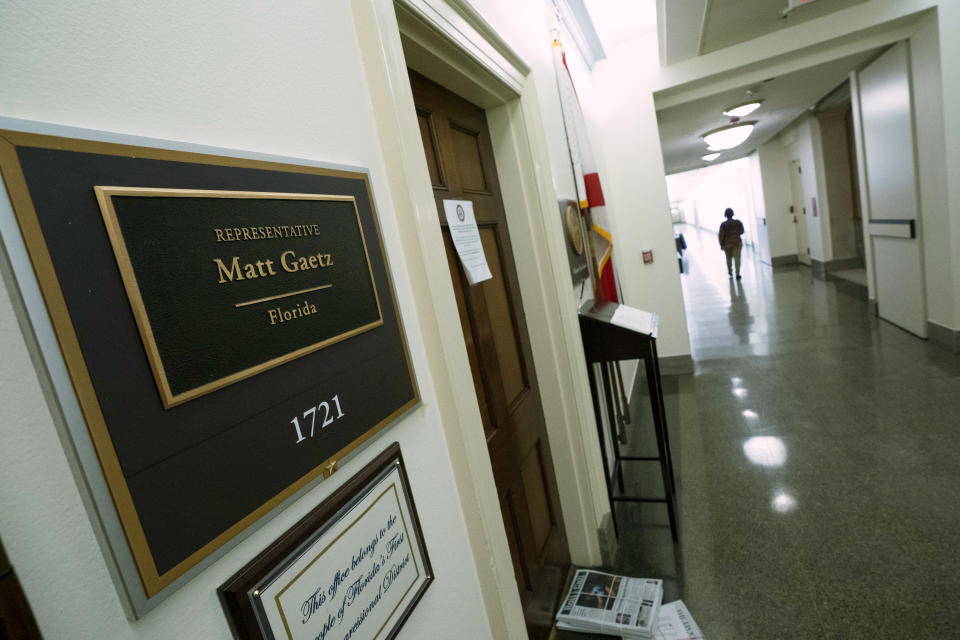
(680, 29)
(845, 32)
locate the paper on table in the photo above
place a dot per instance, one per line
(676, 623)
(635, 319)
(466, 239)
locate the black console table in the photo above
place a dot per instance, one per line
(613, 332)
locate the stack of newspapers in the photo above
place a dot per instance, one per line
(613, 605)
(624, 607)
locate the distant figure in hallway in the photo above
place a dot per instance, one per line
(730, 232)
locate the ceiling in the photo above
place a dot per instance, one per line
(784, 99)
(618, 21)
(688, 28)
(730, 22)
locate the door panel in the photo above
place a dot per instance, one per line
(458, 291)
(512, 530)
(888, 142)
(898, 271)
(537, 503)
(504, 333)
(429, 138)
(466, 149)
(457, 143)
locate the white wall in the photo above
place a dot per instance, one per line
(526, 25)
(755, 180)
(283, 79)
(948, 21)
(935, 222)
(836, 164)
(777, 199)
(621, 117)
(807, 149)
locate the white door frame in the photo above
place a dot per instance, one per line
(447, 41)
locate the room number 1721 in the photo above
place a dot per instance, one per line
(311, 414)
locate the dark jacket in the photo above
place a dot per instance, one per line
(730, 232)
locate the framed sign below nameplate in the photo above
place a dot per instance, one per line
(352, 568)
(219, 331)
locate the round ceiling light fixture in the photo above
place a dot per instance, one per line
(710, 157)
(728, 137)
(741, 110)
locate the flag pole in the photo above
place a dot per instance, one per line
(586, 220)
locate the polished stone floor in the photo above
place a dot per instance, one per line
(817, 450)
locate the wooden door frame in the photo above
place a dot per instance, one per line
(447, 41)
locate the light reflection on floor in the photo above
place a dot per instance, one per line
(766, 451)
(818, 461)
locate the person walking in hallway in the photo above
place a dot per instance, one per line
(730, 231)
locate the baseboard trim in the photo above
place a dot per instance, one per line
(821, 268)
(943, 336)
(842, 264)
(854, 289)
(676, 365)
(783, 261)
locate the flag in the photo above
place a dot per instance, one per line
(587, 180)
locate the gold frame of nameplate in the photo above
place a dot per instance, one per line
(105, 199)
(28, 222)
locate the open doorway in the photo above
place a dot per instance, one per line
(841, 183)
(460, 160)
(767, 173)
(477, 65)
(701, 197)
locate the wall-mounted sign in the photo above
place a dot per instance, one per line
(228, 326)
(353, 568)
(576, 246)
(283, 274)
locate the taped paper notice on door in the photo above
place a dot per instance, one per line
(466, 239)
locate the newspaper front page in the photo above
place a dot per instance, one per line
(676, 623)
(615, 605)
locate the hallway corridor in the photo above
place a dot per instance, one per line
(819, 462)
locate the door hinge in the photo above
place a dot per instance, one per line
(791, 208)
(808, 250)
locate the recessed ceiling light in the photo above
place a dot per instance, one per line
(728, 137)
(741, 110)
(710, 157)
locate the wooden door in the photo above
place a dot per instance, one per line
(460, 159)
